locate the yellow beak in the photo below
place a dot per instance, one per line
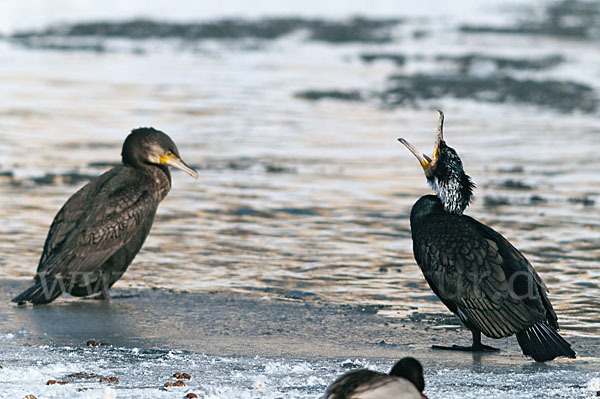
(174, 161)
(427, 163)
(423, 159)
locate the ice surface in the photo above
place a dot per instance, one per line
(26, 369)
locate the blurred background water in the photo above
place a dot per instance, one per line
(290, 111)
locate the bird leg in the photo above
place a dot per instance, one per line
(103, 295)
(477, 346)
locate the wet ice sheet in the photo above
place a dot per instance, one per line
(255, 346)
(142, 373)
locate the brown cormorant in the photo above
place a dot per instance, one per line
(473, 269)
(100, 229)
(404, 381)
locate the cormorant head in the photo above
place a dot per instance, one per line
(445, 173)
(147, 145)
(411, 369)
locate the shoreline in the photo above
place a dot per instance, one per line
(241, 324)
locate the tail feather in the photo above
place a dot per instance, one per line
(543, 343)
(45, 291)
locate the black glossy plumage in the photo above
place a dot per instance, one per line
(100, 229)
(474, 270)
(405, 380)
(411, 369)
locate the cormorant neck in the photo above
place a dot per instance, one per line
(451, 184)
(455, 193)
(425, 206)
(164, 177)
(165, 170)
(160, 174)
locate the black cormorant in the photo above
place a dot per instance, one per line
(404, 381)
(473, 269)
(100, 229)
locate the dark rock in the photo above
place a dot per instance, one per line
(44, 43)
(314, 95)
(83, 375)
(515, 184)
(343, 31)
(270, 168)
(465, 62)
(495, 201)
(397, 59)
(354, 30)
(537, 199)
(585, 201)
(564, 96)
(95, 343)
(566, 18)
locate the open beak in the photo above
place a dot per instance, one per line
(427, 163)
(423, 159)
(439, 137)
(179, 164)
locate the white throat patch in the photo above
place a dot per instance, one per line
(449, 194)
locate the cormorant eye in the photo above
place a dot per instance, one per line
(169, 153)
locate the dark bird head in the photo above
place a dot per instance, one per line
(148, 146)
(411, 369)
(445, 173)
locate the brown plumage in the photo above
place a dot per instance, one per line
(100, 229)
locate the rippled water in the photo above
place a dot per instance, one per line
(308, 197)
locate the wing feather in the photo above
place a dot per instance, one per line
(473, 270)
(96, 221)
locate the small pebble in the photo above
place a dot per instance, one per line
(29, 397)
(191, 395)
(63, 382)
(109, 379)
(182, 376)
(168, 384)
(179, 383)
(82, 389)
(95, 343)
(83, 374)
(50, 382)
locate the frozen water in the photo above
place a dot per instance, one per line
(142, 373)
